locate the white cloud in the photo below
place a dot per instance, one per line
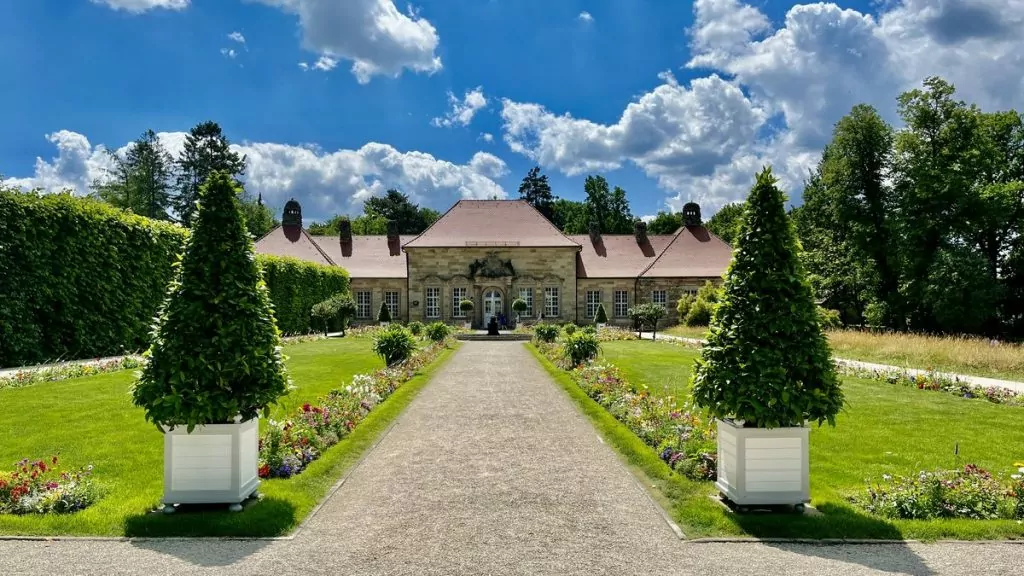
(237, 37)
(229, 52)
(462, 111)
(586, 16)
(487, 137)
(323, 63)
(140, 6)
(325, 183)
(373, 34)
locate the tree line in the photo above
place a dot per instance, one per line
(147, 180)
(408, 217)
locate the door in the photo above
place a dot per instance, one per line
(492, 304)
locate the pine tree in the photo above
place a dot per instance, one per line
(766, 360)
(141, 179)
(537, 192)
(206, 151)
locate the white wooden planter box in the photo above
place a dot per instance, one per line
(216, 463)
(759, 466)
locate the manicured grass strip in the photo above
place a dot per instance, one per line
(92, 421)
(884, 429)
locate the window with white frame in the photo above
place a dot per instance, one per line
(526, 295)
(660, 297)
(593, 301)
(550, 302)
(433, 298)
(458, 295)
(363, 300)
(621, 303)
(391, 299)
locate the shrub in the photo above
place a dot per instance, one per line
(438, 331)
(384, 314)
(569, 329)
(394, 345)
(545, 332)
(416, 328)
(216, 350)
(829, 319)
(647, 315)
(766, 360)
(519, 305)
(35, 487)
(466, 305)
(683, 306)
(78, 277)
(601, 317)
(589, 329)
(876, 313)
(296, 286)
(580, 348)
(335, 311)
(970, 492)
(699, 314)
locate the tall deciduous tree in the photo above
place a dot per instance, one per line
(726, 222)
(395, 206)
(259, 218)
(141, 178)
(609, 209)
(206, 151)
(537, 192)
(665, 223)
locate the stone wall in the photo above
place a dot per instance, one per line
(449, 268)
(377, 287)
(674, 288)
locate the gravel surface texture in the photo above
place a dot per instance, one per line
(491, 470)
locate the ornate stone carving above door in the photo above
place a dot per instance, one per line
(492, 266)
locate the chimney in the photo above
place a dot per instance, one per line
(292, 217)
(345, 236)
(394, 245)
(691, 214)
(595, 232)
(640, 231)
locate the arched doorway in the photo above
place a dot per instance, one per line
(492, 304)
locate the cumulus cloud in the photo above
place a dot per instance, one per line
(487, 137)
(140, 6)
(585, 16)
(325, 183)
(373, 34)
(237, 37)
(229, 52)
(462, 110)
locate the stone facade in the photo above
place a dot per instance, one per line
(637, 291)
(377, 288)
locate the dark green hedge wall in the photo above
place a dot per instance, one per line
(82, 279)
(295, 286)
(78, 278)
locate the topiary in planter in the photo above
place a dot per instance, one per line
(601, 317)
(384, 314)
(216, 350)
(519, 305)
(466, 306)
(766, 361)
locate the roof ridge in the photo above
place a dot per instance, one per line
(663, 252)
(317, 246)
(439, 218)
(549, 222)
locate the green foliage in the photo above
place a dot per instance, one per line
(79, 277)
(647, 315)
(206, 151)
(829, 319)
(334, 311)
(665, 223)
(875, 313)
(415, 328)
(216, 349)
(683, 305)
(601, 316)
(726, 222)
(569, 329)
(438, 331)
(141, 178)
(259, 218)
(537, 192)
(384, 314)
(519, 305)
(466, 305)
(396, 207)
(766, 360)
(394, 344)
(609, 209)
(700, 312)
(960, 292)
(323, 313)
(580, 347)
(295, 286)
(545, 332)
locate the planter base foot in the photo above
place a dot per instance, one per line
(169, 509)
(235, 508)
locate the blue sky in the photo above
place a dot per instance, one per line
(336, 101)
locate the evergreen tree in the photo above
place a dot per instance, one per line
(396, 207)
(766, 360)
(536, 191)
(206, 151)
(140, 181)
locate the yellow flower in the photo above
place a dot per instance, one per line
(1018, 464)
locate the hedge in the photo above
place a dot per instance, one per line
(82, 279)
(295, 286)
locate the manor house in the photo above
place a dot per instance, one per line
(493, 251)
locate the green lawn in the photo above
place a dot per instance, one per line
(92, 421)
(885, 429)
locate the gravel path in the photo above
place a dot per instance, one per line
(491, 470)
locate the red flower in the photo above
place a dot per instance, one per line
(264, 471)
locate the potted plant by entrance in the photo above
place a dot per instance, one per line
(601, 317)
(215, 363)
(518, 306)
(384, 314)
(466, 306)
(765, 370)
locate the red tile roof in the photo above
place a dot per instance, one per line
(617, 256)
(368, 256)
(491, 223)
(693, 253)
(293, 242)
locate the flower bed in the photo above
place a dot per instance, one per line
(936, 382)
(970, 492)
(682, 439)
(288, 447)
(36, 487)
(31, 376)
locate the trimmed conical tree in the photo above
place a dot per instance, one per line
(216, 351)
(384, 314)
(766, 361)
(600, 317)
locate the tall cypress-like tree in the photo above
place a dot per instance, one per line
(206, 151)
(537, 192)
(141, 179)
(766, 360)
